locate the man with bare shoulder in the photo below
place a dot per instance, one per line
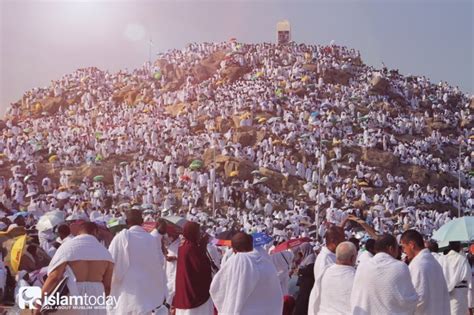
(88, 266)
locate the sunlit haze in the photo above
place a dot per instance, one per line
(43, 40)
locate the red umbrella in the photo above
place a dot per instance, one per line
(218, 242)
(149, 226)
(185, 178)
(291, 244)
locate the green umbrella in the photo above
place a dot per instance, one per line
(98, 178)
(196, 164)
(115, 226)
(157, 75)
(98, 134)
(194, 167)
(459, 229)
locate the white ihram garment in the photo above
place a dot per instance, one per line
(324, 260)
(382, 286)
(82, 247)
(138, 281)
(282, 262)
(430, 285)
(336, 288)
(247, 285)
(204, 309)
(457, 273)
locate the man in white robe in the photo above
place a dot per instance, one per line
(283, 262)
(334, 236)
(138, 280)
(158, 233)
(248, 283)
(426, 275)
(457, 273)
(88, 266)
(171, 258)
(382, 285)
(336, 282)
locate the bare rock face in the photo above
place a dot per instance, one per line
(379, 158)
(224, 124)
(243, 168)
(51, 105)
(245, 136)
(335, 76)
(380, 85)
(233, 73)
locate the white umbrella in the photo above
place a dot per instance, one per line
(49, 220)
(63, 195)
(459, 229)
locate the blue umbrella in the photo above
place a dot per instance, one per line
(260, 239)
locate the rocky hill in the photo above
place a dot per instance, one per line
(375, 127)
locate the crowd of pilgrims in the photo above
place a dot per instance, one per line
(313, 132)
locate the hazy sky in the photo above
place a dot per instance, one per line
(42, 40)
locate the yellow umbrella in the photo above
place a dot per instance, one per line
(16, 252)
(363, 183)
(233, 174)
(262, 120)
(304, 78)
(53, 158)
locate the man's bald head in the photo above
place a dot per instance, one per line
(334, 236)
(242, 242)
(134, 217)
(346, 254)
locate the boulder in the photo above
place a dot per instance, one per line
(379, 85)
(175, 109)
(335, 76)
(423, 177)
(246, 136)
(243, 167)
(223, 124)
(51, 105)
(379, 158)
(233, 73)
(276, 181)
